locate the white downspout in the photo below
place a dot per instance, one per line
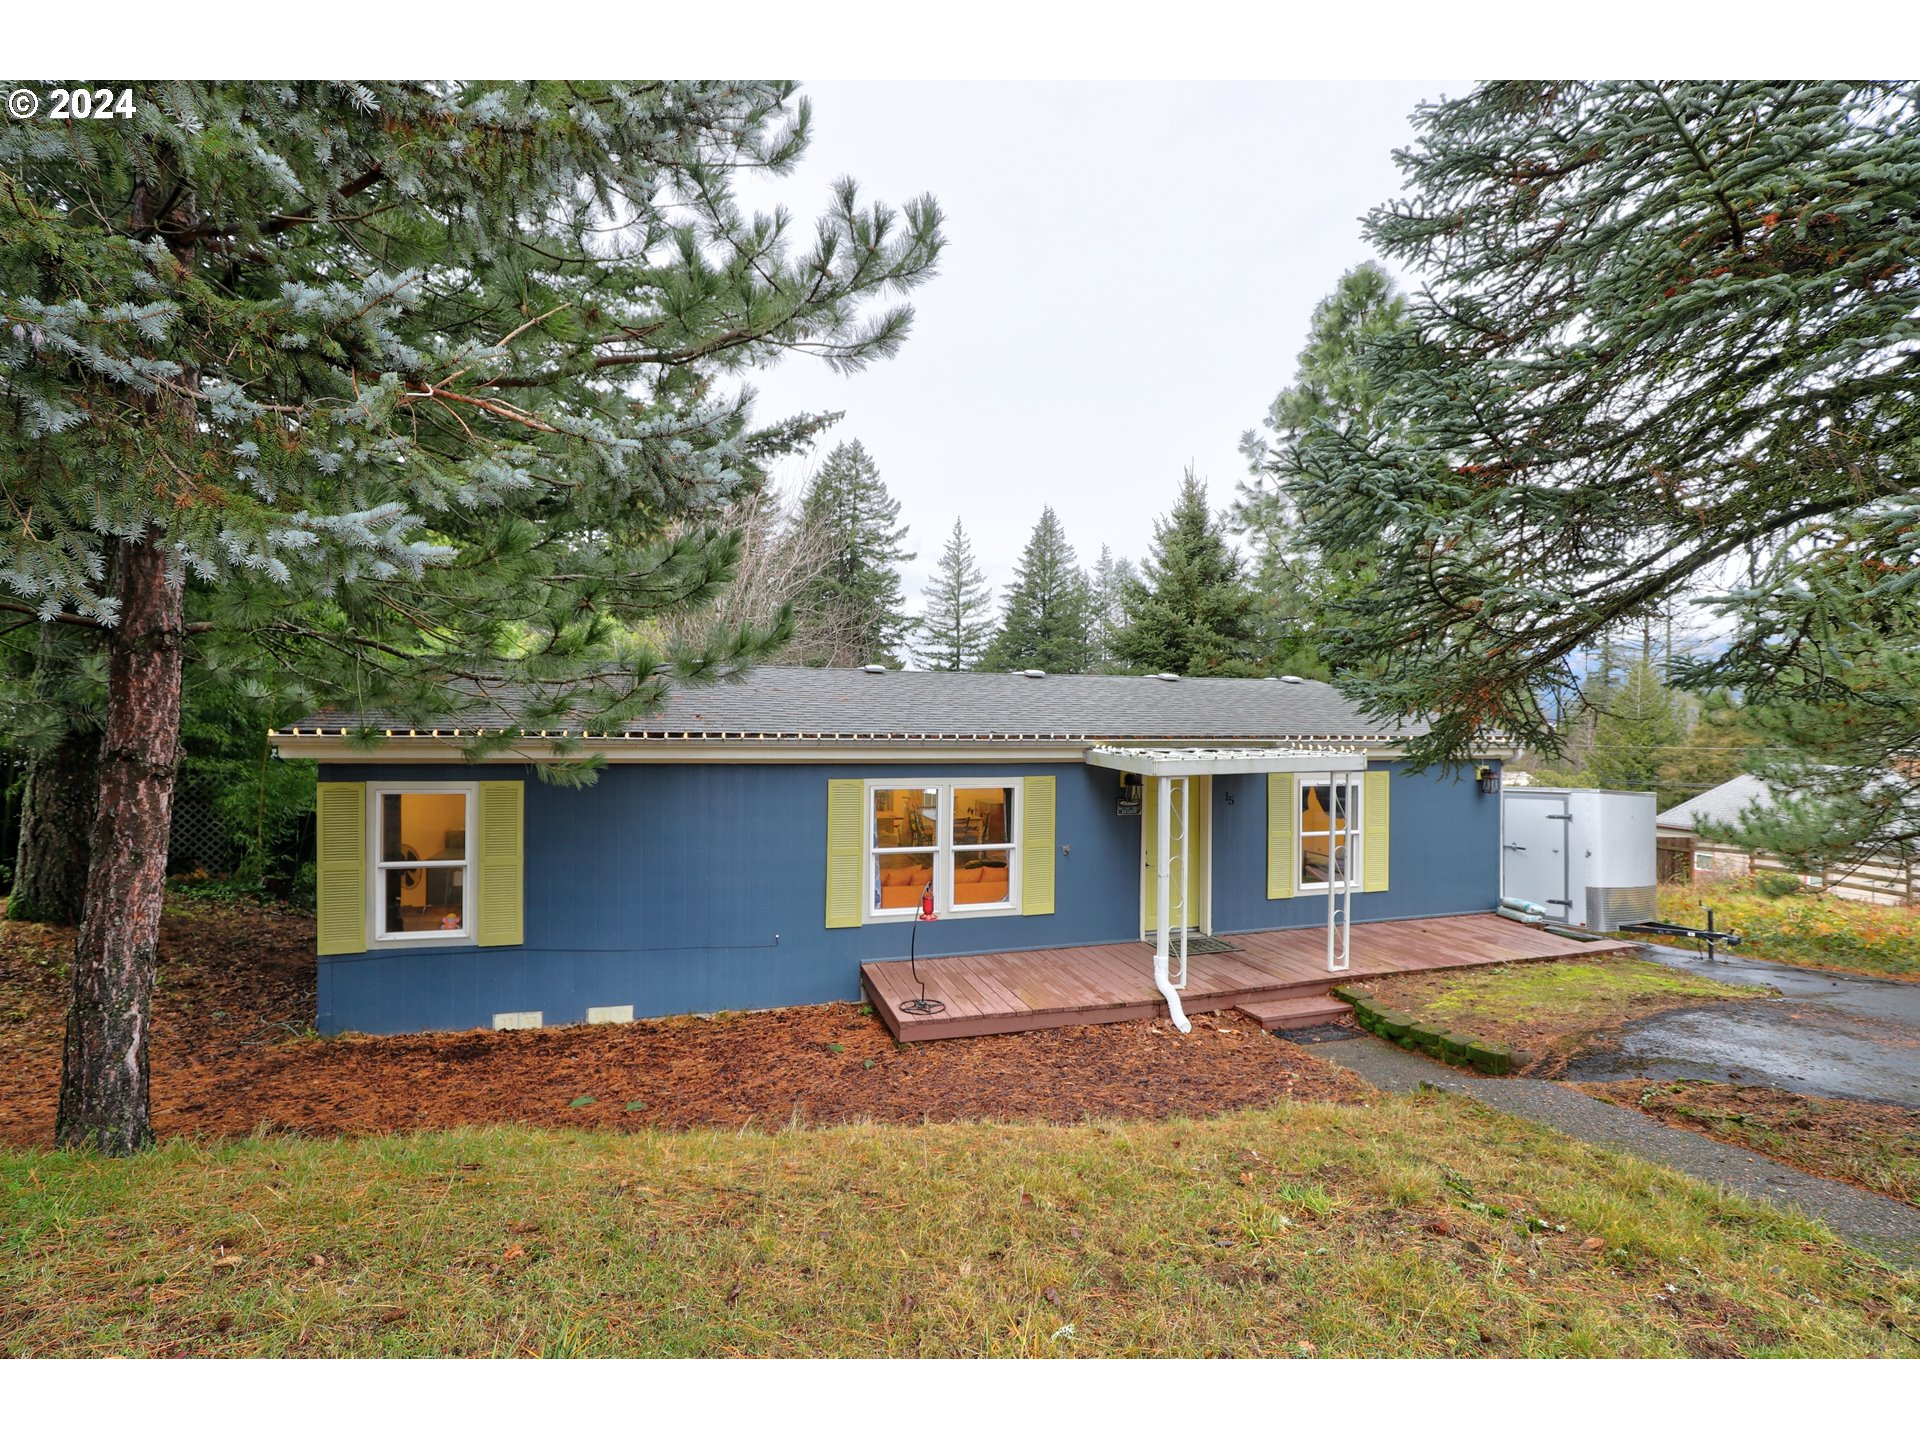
(1163, 897)
(1186, 880)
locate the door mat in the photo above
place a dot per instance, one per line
(1199, 945)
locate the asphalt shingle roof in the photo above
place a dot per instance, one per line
(782, 702)
(1722, 804)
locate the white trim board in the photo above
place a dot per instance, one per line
(332, 750)
(1220, 760)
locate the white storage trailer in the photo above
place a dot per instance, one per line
(1586, 857)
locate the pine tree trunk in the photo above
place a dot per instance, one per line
(103, 1081)
(56, 814)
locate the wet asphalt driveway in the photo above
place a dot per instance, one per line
(1848, 1036)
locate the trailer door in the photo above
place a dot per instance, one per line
(1534, 859)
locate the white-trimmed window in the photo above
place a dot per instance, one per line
(422, 861)
(1328, 830)
(957, 838)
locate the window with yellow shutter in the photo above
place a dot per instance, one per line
(426, 863)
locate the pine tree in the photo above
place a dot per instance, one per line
(1332, 387)
(853, 613)
(1107, 589)
(1838, 745)
(956, 622)
(415, 386)
(1046, 619)
(1295, 593)
(1636, 733)
(1190, 612)
(1664, 348)
(1297, 586)
(1718, 746)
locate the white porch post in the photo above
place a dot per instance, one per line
(1163, 897)
(1162, 764)
(1340, 783)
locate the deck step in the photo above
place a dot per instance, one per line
(1295, 1012)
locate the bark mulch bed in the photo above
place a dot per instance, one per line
(232, 980)
(1871, 1145)
(236, 991)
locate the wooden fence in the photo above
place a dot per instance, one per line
(1882, 880)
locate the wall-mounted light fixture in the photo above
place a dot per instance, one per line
(1489, 777)
(1131, 790)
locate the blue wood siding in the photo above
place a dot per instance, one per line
(1443, 857)
(682, 888)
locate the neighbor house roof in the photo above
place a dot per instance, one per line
(1722, 804)
(777, 702)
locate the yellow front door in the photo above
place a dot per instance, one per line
(1197, 871)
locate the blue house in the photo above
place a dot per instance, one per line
(779, 840)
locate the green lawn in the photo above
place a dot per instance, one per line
(1804, 929)
(1414, 1226)
(1547, 1008)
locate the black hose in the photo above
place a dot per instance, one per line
(922, 1006)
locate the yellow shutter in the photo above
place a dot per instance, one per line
(340, 871)
(1037, 846)
(1374, 813)
(502, 863)
(1283, 862)
(846, 852)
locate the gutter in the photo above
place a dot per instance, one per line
(402, 747)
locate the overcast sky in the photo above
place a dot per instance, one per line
(1126, 285)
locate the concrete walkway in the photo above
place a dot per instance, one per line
(1872, 1222)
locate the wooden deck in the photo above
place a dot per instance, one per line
(1093, 984)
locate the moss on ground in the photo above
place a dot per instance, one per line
(1549, 1008)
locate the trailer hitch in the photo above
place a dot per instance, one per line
(1713, 937)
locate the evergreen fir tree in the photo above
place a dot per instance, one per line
(1637, 732)
(1297, 586)
(1839, 739)
(1332, 387)
(1718, 746)
(415, 387)
(1046, 619)
(956, 623)
(853, 612)
(1190, 612)
(1664, 349)
(1107, 590)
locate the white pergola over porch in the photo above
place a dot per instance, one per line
(1170, 768)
